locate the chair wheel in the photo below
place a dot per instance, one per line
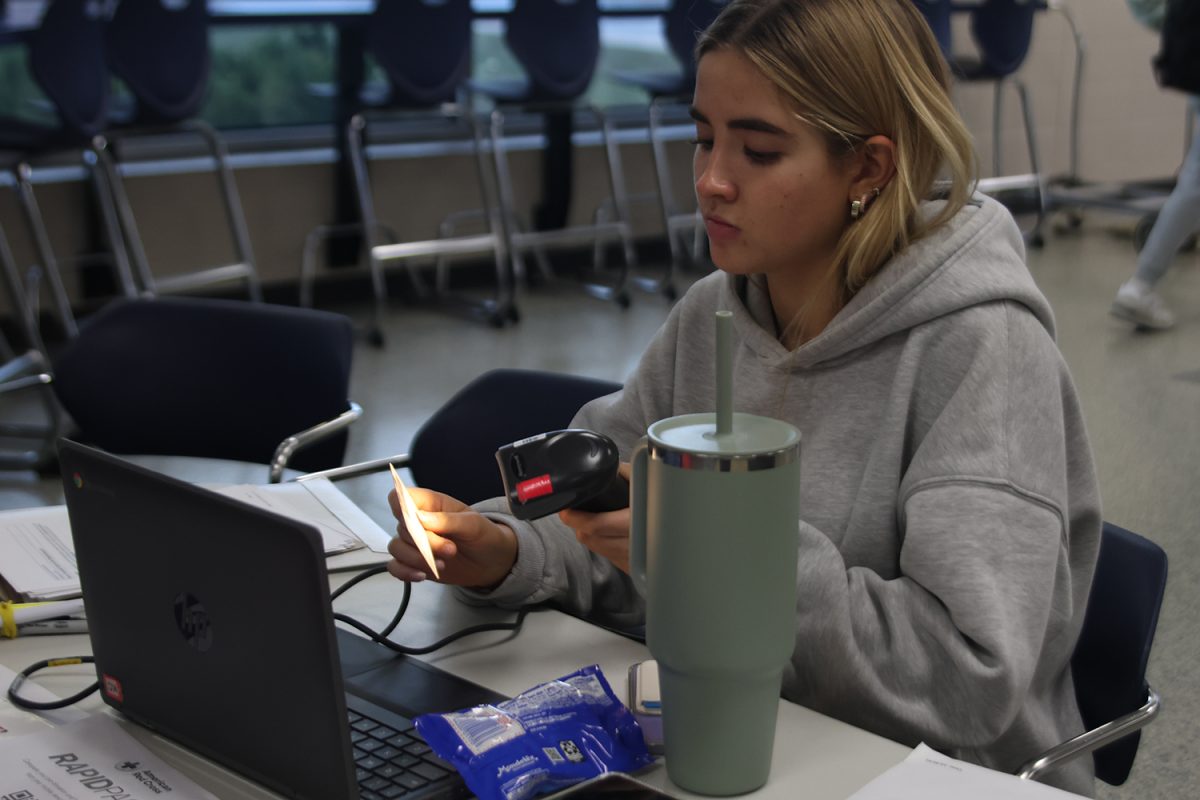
(622, 299)
(514, 316)
(670, 292)
(1037, 240)
(375, 337)
(497, 320)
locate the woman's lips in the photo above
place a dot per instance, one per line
(719, 230)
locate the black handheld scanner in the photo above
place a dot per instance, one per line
(570, 468)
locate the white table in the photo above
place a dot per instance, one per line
(815, 757)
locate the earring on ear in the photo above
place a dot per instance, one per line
(859, 207)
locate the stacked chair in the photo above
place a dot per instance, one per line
(1002, 31)
(66, 59)
(682, 24)
(424, 50)
(557, 43)
(159, 50)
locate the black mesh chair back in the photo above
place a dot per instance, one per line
(1109, 664)
(160, 50)
(557, 43)
(209, 378)
(66, 58)
(937, 15)
(682, 25)
(1002, 30)
(455, 450)
(424, 49)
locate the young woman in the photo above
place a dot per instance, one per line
(950, 516)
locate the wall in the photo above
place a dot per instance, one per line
(1130, 130)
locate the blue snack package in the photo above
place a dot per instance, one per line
(549, 737)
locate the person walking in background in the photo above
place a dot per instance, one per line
(1177, 66)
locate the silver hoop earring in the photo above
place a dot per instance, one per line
(856, 209)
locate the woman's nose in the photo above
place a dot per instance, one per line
(712, 179)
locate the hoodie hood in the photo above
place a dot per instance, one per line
(977, 257)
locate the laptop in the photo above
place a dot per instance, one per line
(211, 623)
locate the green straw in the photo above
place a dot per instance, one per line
(724, 373)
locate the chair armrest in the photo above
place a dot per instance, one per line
(297, 441)
(361, 468)
(17, 384)
(25, 364)
(1088, 741)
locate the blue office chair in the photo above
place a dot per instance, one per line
(557, 43)
(212, 378)
(937, 14)
(1002, 31)
(66, 60)
(455, 450)
(682, 24)
(1109, 663)
(424, 50)
(159, 50)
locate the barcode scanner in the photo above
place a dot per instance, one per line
(571, 468)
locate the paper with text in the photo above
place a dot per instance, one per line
(928, 775)
(309, 501)
(37, 553)
(87, 759)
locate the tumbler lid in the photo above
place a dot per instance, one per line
(692, 441)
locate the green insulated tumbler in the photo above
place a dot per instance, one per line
(715, 506)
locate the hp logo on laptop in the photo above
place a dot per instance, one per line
(193, 621)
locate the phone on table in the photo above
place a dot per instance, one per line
(613, 785)
(646, 703)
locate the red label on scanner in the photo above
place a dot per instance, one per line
(112, 688)
(534, 487)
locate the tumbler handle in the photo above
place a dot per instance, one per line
(637, 504)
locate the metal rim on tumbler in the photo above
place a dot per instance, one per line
(721, 462)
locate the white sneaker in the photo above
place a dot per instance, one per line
(1144, 308)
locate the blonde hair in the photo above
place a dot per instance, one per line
(854, 69)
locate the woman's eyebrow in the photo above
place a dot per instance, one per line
(741, 123)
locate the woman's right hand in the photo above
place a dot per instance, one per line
(469, 549)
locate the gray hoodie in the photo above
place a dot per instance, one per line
(950, 513)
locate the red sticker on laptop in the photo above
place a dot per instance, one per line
(112, 688)
(534, 487)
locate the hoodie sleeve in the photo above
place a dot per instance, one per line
(552, 566)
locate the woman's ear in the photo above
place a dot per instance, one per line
(875, 165)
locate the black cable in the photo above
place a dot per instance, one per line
(391, 626)
(357, 579)
(34, 705)
(454, 637)
(381, 637)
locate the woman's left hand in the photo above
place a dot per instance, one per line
(605, 533)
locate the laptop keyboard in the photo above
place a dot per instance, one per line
(397, 763)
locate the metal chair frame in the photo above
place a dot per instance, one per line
(522, 239)
(383, 248)
(121, 224)
(26, 371)
(680, 23)
(1000, 182)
